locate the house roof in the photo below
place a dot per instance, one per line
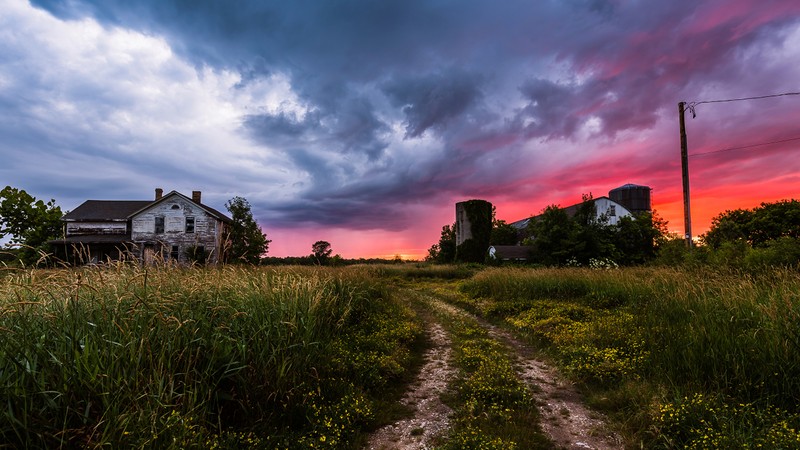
(105, 210)
(122, 210)
(571, 210)
(208, 209)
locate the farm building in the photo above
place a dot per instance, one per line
(172, 226)
(518, 253)
(624, 201)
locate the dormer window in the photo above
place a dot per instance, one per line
(190, 224)
(159, 225)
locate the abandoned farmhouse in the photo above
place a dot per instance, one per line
(172, 226)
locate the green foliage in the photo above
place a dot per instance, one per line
(559, 239)
(757, 226)
(247, 243)
(321, 252)
(711, 422)
(503, 233)
(195, 358)
(730, 226)
(683, 331)
(554, 236)
(419, 271)
(638, 239)
(445, 251)
(479, 214)
(29, 222)
(471, 250)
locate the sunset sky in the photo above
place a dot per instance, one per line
(363, 122)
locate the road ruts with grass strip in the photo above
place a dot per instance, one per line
(492, 407)
(430, 416)
(563, 417)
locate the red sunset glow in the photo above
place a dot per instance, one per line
(363, 124)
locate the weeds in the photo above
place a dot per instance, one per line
(695, 334)
(214, 358)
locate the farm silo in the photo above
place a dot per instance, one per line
(473, 228)
(634, 197)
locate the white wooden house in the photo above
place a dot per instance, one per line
(167, 227)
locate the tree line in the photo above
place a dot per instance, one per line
(766, 235)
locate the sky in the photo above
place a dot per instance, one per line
(362, 122)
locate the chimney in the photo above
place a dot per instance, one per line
(196, 197)
(159, 193)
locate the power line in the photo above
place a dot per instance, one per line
(746, 146)
(691, 105)
(682, 108)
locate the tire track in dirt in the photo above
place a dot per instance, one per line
(431, 417)
(564, 417)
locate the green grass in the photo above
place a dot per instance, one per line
(648, 340)
(176, 358)
(493, 408)
(422, 271)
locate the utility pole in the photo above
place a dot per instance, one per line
(687, 215)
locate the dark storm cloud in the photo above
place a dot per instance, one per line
(433, 101)
(282, 126)
(471, 84)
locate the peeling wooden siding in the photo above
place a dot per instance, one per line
(95, 228)
(175, 211)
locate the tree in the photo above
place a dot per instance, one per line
(554, 236)
(758, 226)
(558, 238)
(594, 239)
(639, 238)
(321, 252)
(247, 243)
(503, 233)
(728, 226)
(30, 223)
(445, 250)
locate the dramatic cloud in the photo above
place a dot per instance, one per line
(357, 119)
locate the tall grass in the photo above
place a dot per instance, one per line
(165, 356)
(729, 336)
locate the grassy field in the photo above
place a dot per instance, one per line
(179, 358)
(682, 359)
(291, 357)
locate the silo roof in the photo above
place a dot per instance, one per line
(631, 186)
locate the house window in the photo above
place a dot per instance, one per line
(612, 210)
(174, 253)
(190, 224)
(160, 225)
(176, 207)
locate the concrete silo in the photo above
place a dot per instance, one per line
(473, 229)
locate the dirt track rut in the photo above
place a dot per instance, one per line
(431, 416)
(564, 417)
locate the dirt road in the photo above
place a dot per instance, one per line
(564, 417)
